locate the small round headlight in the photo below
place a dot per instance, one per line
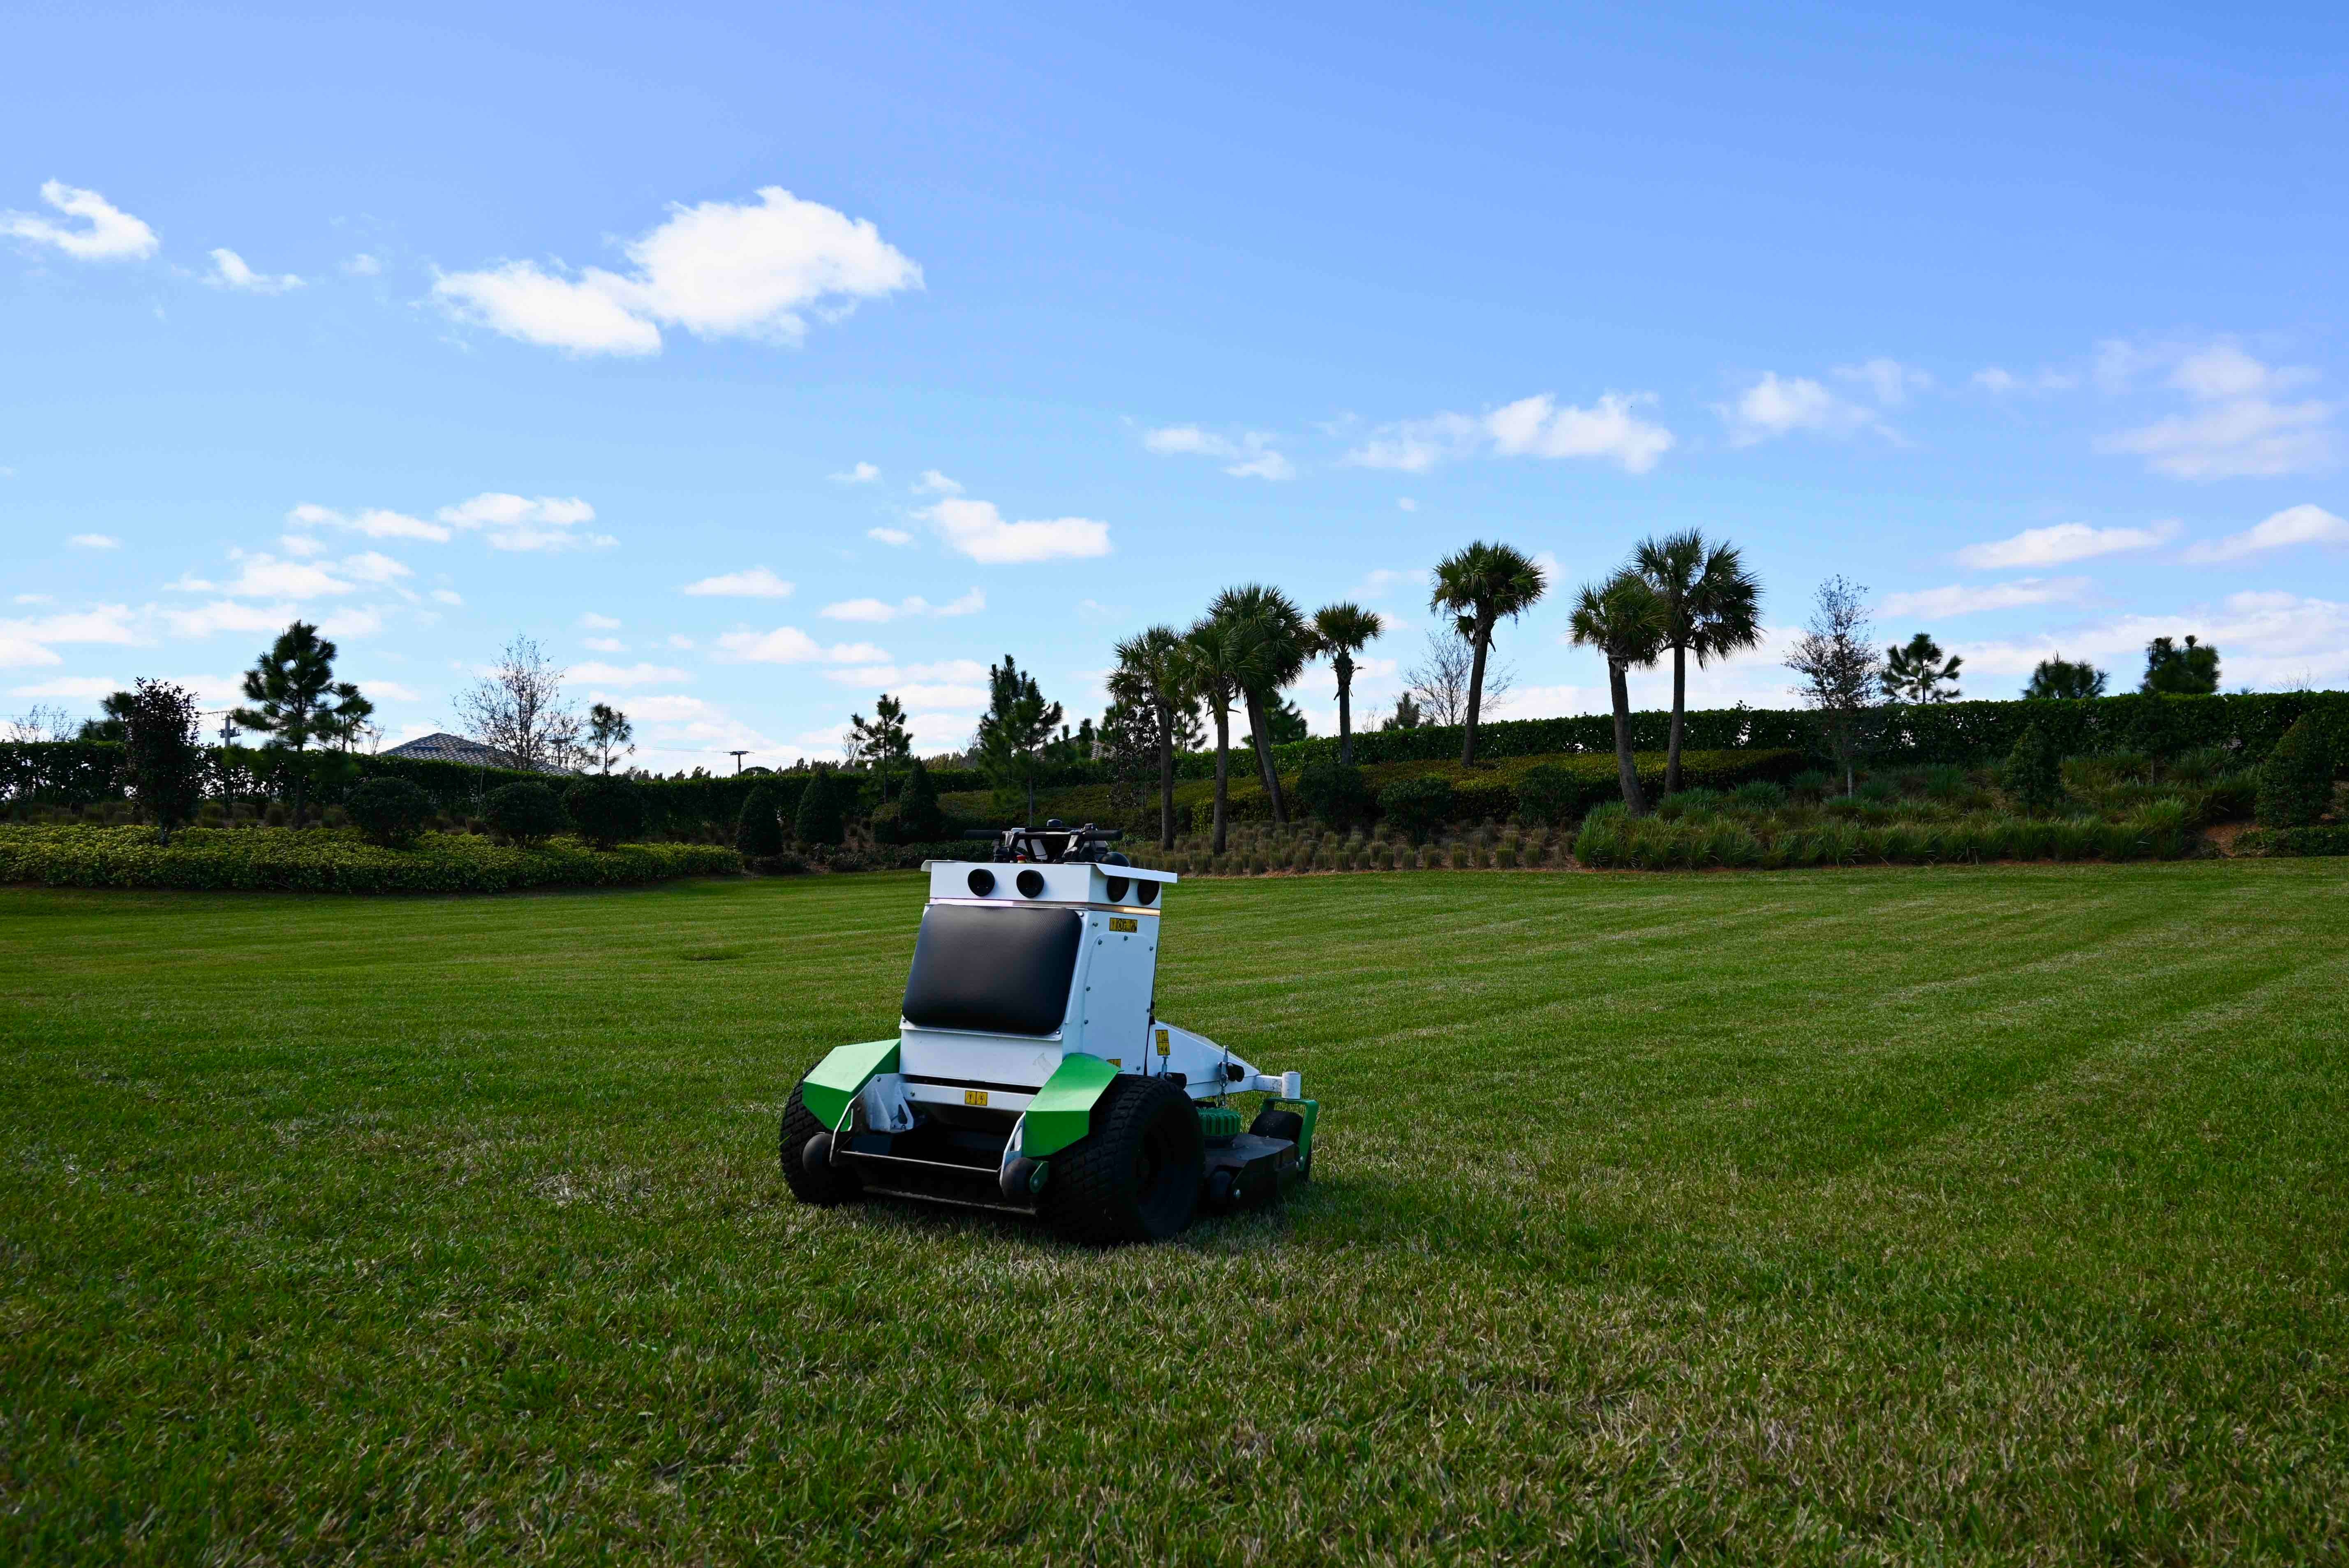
(982, 882)
(1115, 887)
(1147, 893)
(1031, 882)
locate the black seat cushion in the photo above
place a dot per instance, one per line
(1005, 969)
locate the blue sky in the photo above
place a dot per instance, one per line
(756, 360)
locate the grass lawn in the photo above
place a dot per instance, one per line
(1958, 1215)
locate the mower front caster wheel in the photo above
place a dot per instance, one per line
(808, 1169)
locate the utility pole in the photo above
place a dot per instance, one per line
(738, 757)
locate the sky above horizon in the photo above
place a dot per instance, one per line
(757, 361)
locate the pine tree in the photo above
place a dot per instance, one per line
(296, 700)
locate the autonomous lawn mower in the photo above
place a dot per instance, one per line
(1031, 1072)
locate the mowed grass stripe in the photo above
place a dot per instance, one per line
(1985, 1214)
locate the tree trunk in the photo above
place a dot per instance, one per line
(1223, 769)
(1165, 777)
(1345, 708)
(1680, 718)
(1482, 641)
(1261, 735)
(300, 786)
(1030, 821)
(1625, 769)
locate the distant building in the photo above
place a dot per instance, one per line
(446, 748)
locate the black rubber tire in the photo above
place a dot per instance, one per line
(821, 1188)
(1137, 1175)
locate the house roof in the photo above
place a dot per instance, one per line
(444, 747)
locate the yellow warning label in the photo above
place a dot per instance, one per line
(1117, 1060)
(1163, 1047)
(974, 1096)
(1118, 923)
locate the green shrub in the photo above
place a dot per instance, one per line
(332, 860)
(822, 814)
(1417, 806)
(2332, 840)
(607, 810)
(1337, 793)
(2296, 780)
(527, 813)
(1758, 795)
(759, 832)
(2231, 798)
(1811, 782)
(1690, 803)
(1945, 781)
(389, 811)
(1549, 794)
(915, 816)
(1878, 790)
(2033, 773)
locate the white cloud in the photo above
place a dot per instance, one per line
(790, 645)
(719, 269)
(112, 235)
(937, 483)
(679, 639)
(265, 576)
(977, 529)
(26, 642)
(1994, 379)
(374, 522)
(82, 688)
(520, 522)
(446, 597)
(1251, 456)
(1536, 427)
(2302, 524)
(631, 675)
(351, 622)
(862, 473)
(371, 567)
(757, 583)
(1959, 599)
(878, 610)
(2264, 640)
(95, 542)
(2238, 430)
(1530, 426)
(229, 271)
(1890, 379)
(594, 622)
(301, 546)
(957, 672)
(390, 689)
(1771, 408)
(364, 266)
(1406, 503)
(1380, 581)
(896, 538)
(2052, 547)
(604, 644)
(227, 615)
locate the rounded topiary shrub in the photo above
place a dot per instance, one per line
(1417, 806)
(2296, 780)
(2033, 773)
(822, 814)
(390, 812)
(607, 811)
(758, 831)
(527, 812)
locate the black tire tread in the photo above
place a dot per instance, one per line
(1088, 1196)
(821, 1188)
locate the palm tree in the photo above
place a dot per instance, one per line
(1712, 607)
(1218, 656)
(1341, 630)
(1154, 675)
(1480, 584)
(1623, 618)
(1278, 643)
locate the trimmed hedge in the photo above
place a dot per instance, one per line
(1491, 791)
(1613, 841)
(333, 860)
(2330, 839)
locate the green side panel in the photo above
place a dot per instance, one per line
(1312, 1111)
(832, 1083)
(1063, 1110)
